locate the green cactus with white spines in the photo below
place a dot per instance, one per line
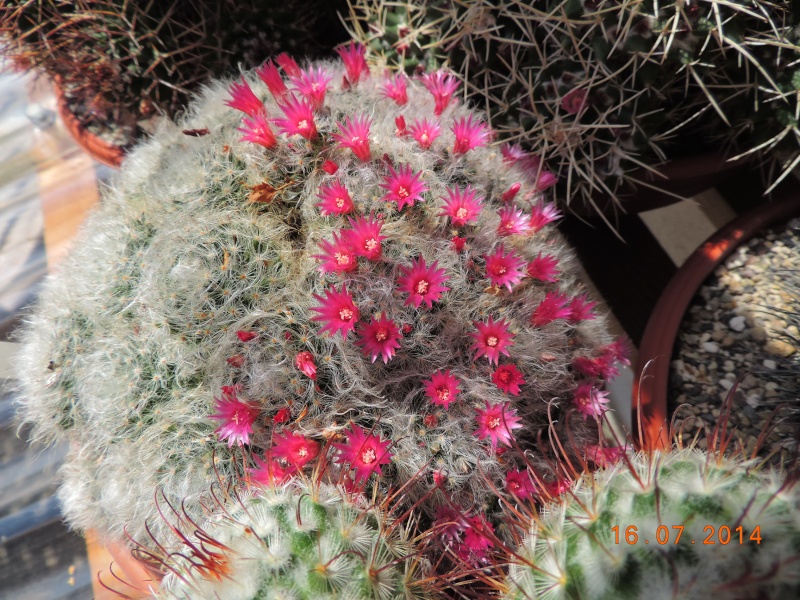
(615, 535)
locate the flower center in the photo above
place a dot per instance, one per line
(302, 124)
(443, 393)
(492, 341)
(422, 286)
(461, 213)
(493, 423)
(504, 376)
(370, 244)
(345, 314)
(402, 193)
(339, 202)
(355, 139)
(368, 456)
(381, 334)
(303, 452)
(342, 259)
(424, 137)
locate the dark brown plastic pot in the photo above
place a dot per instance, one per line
(651, 376)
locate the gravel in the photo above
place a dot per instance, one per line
(743, 324)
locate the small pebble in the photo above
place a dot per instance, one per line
(737, 323)
(710, 347)
(770, 364)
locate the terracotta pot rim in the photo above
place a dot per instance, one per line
(651, 376)
(105, 152)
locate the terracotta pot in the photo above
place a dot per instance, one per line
(113, 564)
(651, 376)
(99, 149)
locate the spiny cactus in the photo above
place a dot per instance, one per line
(336, 263)
(598, 88)
(682, 525)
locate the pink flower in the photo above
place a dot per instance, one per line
(379, 338)
(574, 101)
(512, 192)
(353, 56)
(508, 378)
(365, 453)
(394, 87)
(449, 523)
(330, 167)
(272, 78)
(543, 268)
(477, 539)
(469, 135)
(237, 417)
(236, 361)
(355, 135)
(246, 336)
(512, 153)
(294, 449)
(442, 388)
(335, 198)
(304, 362)
(282, 416)
(462, 206)
(496, 422)
(458, 242)
(553, 307)
(620, 349)
(403, 186)
(589, 401)
(491, 340)
(365, 236)
(270, 472)
(512, 221)
(422, 283)
(544, 180)
(338, 257)
(244, 100)
(504, 269)
(425, 131)
(588, 367)
(312, 83)
(542, 214)
(605, 456)
(257, 131)
(288, 64)
(442, 87)
(581, 309)
(400, 124)
(299, 118)
(337, 310)
(519, 484)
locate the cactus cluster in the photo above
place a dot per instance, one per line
(121, 62)
(314, 253)
(599, 89)
(683, 524)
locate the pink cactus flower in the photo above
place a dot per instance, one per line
(257, 130)
(504, 269)
(605, 456)
(236, 361)
(589, 401)
(400, 126)
(243, 99)
(581, 309)
(365, 453)
(491, 340)
(237, 417)
(353, 56)
(330, 167)
(513, 221)
(335, 198)
(270, 472)
(588, 367)
(312, 83)
(496, 422)
(365, 236)
(449, 524)
(288, 65)
(458, 242)
(553, 307)
(299, 118)
(246, 336)
(442, 388)
(282, 416)
(477, 540)
(543, 268)
(403, 186)
(462, 206)
(542, 214)
(379, 338)
(272, 78)
(519, 484)
(545, 180)
(337, 257)
(469, 135)
(425, 131)
(508, 378)
(304, 362)
(422, 283)
(395, 87)
(512, 153)
(337, 311)
(294, 449)
(442, 86)
(620, 349)
(512, 192)
(355, 135)
(574, 101)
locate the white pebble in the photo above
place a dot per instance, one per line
(726, 383)
(753, 400)
(770, 364)
(737, 323)
(710, 347)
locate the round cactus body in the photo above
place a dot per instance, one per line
(679, 525)
(314, 254)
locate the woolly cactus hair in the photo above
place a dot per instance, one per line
(302, 540)
(208, 286)
(684, 524)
